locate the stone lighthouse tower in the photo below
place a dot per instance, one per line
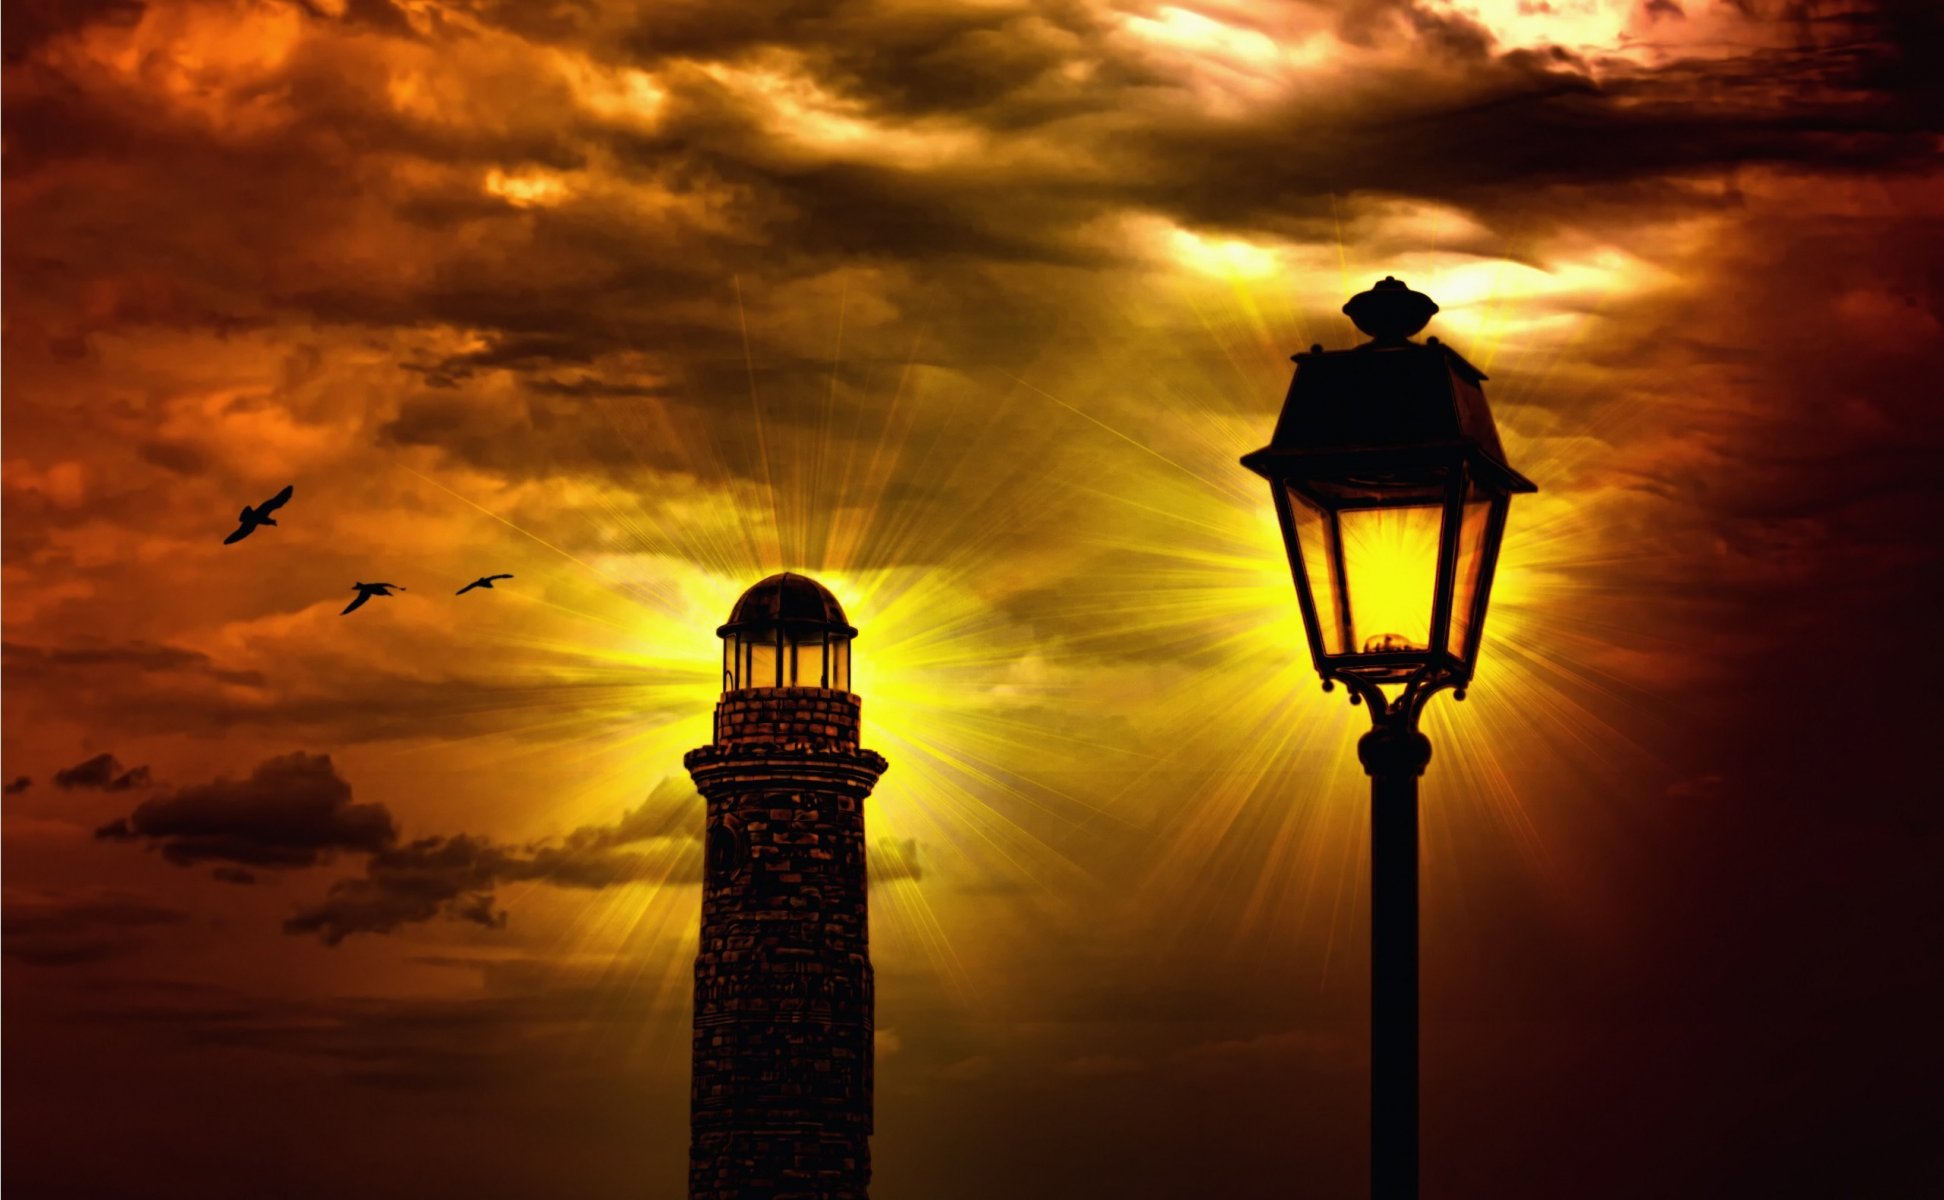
(780, 1099)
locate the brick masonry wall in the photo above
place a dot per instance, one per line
(780, 1098)
(823, 718)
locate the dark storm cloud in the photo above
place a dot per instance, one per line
(18, 784)
(454, 877)
(1486, 135)
(966, 60)
(250, 197)
(181, 458)
(537, 434)
(128, 661)
(1502, 138)
(291, 811)
(951, 219)
(549, 21)
(449, 877)
(148, 688)
(297, 811)
(1519, 138)
(57, 932)
(31, 23)
(104, 773)
(1494, 133)
(381, 15)
(607, 419)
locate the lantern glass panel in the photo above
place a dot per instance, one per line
(762, 665)
(1316, 544)
(809, 668)
(1390, 575)
(1472, 557)
(840, 658)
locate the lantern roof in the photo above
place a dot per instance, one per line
(787, 599)
(1387, 400)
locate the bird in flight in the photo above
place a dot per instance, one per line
(484, 581)
(367, 590)
(250, 518)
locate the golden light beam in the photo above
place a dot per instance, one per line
(1269, 785)
(1190, 735)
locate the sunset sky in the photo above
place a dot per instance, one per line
(968, 310)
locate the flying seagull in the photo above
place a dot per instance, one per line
(367, 590)
(250, 518)
(484, 581)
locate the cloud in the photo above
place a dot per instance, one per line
(296, 811)
(451, 877)
(18, 784)
(128, 662)
(103, 772)
(96, 772)
(46, 931)
(321, 688)
(291, 811)
(31, 23)
(947, 142)
(454, 877)
(893, 859)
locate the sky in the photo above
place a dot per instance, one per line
(968, 310)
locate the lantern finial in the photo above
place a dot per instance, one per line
(1390, 312)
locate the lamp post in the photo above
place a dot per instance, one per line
(1392, 489)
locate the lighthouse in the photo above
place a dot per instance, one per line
(780, 1092)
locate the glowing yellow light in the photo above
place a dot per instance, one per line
(1390, 567)
(1230, 258)
(534, 190)
(627, 96)
(1191, 30)
(1226, 66)
(1583, 24)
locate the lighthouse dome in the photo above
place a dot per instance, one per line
(788, 600)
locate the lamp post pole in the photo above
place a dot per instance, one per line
(1394, 754)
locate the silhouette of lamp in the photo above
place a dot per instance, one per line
(1392, 490)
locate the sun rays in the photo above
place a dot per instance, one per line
(894, 487)
(1084, 663)
(1256, 817)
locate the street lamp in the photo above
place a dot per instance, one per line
(1392, 490)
